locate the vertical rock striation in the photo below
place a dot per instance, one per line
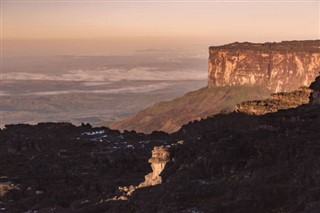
(279, 67)
(160, 157)
(277, 101)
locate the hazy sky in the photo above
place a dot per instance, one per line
(154, 24)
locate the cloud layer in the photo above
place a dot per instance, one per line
(132, 89)
(105, 75)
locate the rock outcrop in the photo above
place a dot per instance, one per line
(279, 67)
(283, 100)
(315, 95)
(277, 101)
(160, 157)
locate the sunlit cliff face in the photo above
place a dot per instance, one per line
(159, 159)
(279, 67)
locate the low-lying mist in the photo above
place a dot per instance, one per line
(95, 89)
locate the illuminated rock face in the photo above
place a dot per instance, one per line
(277, 101)
(160, 157)
(279, 67)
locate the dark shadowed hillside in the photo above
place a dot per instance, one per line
(226, 163)
(241, 163)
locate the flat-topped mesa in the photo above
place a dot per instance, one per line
(160, 157)
(278, 67)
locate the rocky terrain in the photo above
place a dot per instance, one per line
(277, 101)
(226, 163)
(280, 67)
(58, 167)
(315, 95)
(237, 72)
(241, 163)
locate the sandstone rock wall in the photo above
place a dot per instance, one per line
(160, 157)
(277, 101)
(279, 67)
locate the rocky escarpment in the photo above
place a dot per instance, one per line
(278, 67)
(277, 101)
(238, 72)
(283, 100)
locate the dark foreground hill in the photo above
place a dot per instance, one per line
(240, 163)
(226, 163)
